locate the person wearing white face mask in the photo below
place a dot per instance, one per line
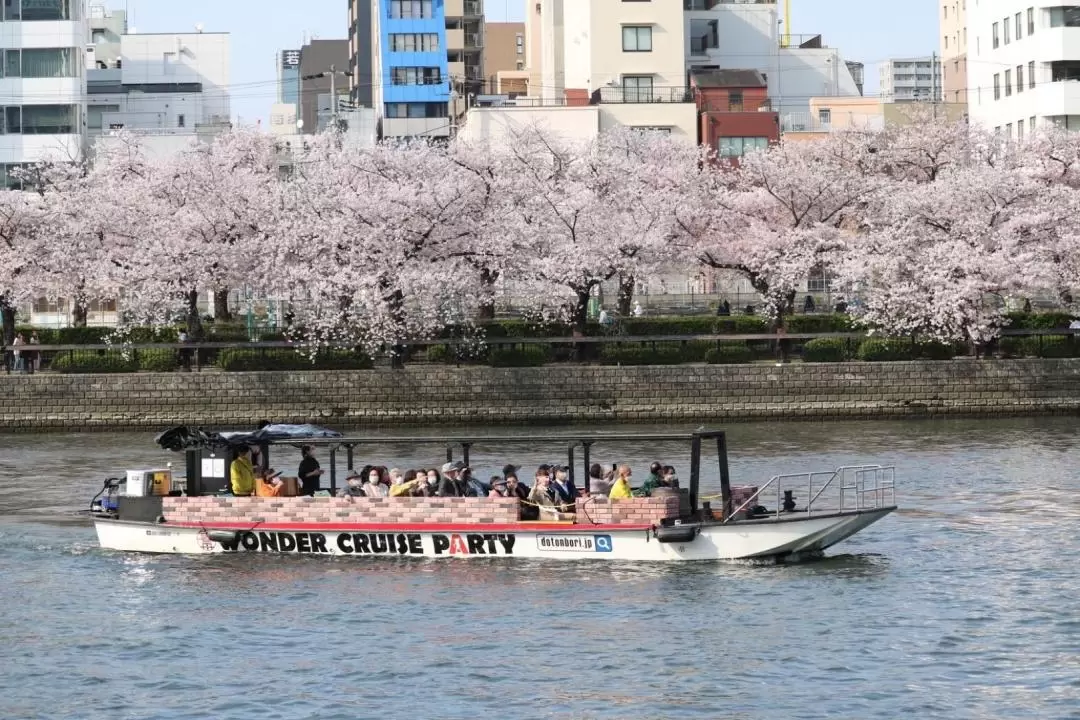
(372, 487)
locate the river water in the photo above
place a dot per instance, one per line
(964, 604)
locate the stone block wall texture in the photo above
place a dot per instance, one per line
(247, 511)
(446, 395)
(629, 511)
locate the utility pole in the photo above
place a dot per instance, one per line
(332, 73)
(933, 81)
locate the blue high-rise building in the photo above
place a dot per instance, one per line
(422, 58)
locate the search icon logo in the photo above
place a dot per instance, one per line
(603, 543)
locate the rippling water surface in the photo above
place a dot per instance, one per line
(965, 604)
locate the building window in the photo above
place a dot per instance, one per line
(39, 63)
(1031, 20)
(415, 76)
(637, 88)
(1019, 78)
(1008, 130)
(41, 120)
(824, 116)
(181, 121)
(1017, 22)
(414, 42)
(997, 86)
(1031, 123)
(1019, 129)
(169, 60)
(651, 128)
(410, 9)
(994, 35)
(637, 38)
(1065, 16)
(519, 43)
(736, 147)
(38, 9)
(1007, 24)
(1008, 83)
(1031, 74)
(735, 101)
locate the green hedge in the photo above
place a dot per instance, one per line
(256, 360)
(825, 323)
(1038, 321)
(1051, 346)
(730, 353)
(156, 360)
(527, 356)
(896, 349)
(88, 362)
(826, 350)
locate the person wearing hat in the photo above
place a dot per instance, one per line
(498, 487)
(451, 484)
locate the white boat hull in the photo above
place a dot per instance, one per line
(792, 535)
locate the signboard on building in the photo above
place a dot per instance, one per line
(290, 59)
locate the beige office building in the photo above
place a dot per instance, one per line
(953, 17)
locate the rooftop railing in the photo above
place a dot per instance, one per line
(620, 95)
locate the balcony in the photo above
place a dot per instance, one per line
(638, 95)
(806, 122)
(710, 4)
(474, 41)
(701, 45)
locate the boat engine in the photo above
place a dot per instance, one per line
(107, 502)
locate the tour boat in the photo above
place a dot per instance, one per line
(155, 511)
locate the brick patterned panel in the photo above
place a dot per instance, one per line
(631, 511)
(232, 510)
(442, 395)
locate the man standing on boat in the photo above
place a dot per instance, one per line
(241, 473)
(564, 490)
(309, 472)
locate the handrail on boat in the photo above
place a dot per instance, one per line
(859, 480)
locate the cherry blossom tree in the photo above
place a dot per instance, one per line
(782, 212)
(375, 245)
(936, 253)
(21, 221)
(585, 213)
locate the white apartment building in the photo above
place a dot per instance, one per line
(910, 79)
(1025, 64)
(954, 49)
(169, 88)
(748, 34)
(41, 82)
(597, 65)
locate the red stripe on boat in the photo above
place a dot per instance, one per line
(412, 527)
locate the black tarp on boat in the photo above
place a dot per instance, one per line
(186, 438)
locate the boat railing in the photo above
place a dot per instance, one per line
(849, 488)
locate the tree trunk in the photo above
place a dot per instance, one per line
(626, 294)
(221, 305)
(194, 322)
(581, 309)
(488, 278)
(79, 311)
(7, 315)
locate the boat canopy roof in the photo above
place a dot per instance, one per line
(183, 438)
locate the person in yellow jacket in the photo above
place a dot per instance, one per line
(620, 489)
(241, 473)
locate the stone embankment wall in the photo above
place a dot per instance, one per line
(442, 395)
(249, 511)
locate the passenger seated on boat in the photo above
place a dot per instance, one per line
(373, 488)
(652, 482)
(268, 483)
(429, 488)
(354, 487)
(563, 490)
(498, 487)
(515, 487)
(407, 484)
(600, 482)
(542, 496)
(241, 474)
(451, 484)
(620, 489)
(670, 478)
(473, 487)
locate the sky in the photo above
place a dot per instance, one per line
(868, 31)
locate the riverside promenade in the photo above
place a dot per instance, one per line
(428, 395)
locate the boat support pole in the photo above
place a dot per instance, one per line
(570, 461)
(333, 471)
(695, 470)
(585, 447)
(465, 453)
(725, 475)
